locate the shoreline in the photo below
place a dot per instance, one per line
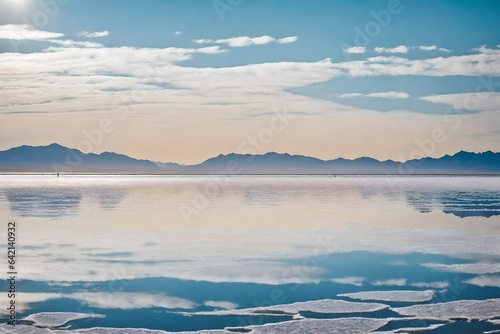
(236, 175)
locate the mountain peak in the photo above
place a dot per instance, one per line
(57, 158)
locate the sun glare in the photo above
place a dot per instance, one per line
(18, 2)
(18, 5)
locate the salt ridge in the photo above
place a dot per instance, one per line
(332, 306)
(392, 296)
(461, 309)
(57, 319)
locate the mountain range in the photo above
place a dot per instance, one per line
(56, 158)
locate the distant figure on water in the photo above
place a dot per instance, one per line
(57, 174)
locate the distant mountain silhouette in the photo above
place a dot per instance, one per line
(466, 162)
(274, 163)
(57, 158)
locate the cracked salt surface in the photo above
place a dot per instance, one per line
(411, 329)
(103, 330)
(22, 329)
(461, 309)
(332, 306)
(317, 326)
(57, 319)
(392, 296)
(320, 326)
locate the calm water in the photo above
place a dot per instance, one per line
(142, 250)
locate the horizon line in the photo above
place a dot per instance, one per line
(256, 174)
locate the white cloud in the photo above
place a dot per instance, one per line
(130, 300)
(479, 268)
(117, 300)
(291, 39)
(239, 41)
(390, 95)
(434, 285)
(203, 41)
(89, 81)
(71, 43)
(483, 281)
(387, 95)
(94, 34)
(129, 68)
(397, 49)
(482, 101)
(221, 304)
(144, 69)
(486, 63)
(358, 281)
(349, 95)
(23, 303)
(431, 48)
(25, 32)
(391, 282)
(427, 48)
(487, 50)
(177, 33)
(352, 280)
(355, 49)
(246, 41)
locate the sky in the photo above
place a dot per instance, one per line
(184, 80)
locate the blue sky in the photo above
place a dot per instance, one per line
(359, 78)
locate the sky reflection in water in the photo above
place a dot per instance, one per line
(117, 244)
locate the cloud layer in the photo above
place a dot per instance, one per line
(94, 34)
(481, 101)
(397, 49)
(387, 95)
(159, 87)
(23, 32)
(356, 49)
(246, 41)
(26, 32)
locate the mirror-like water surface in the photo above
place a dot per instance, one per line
(154, 251)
